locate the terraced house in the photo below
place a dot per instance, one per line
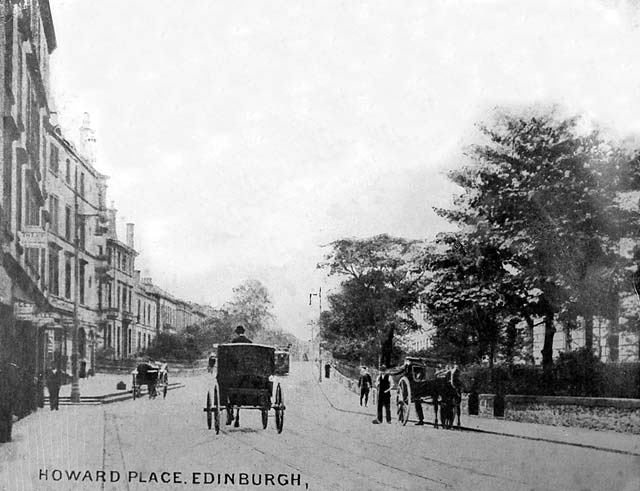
(27, 39)
(76, 246)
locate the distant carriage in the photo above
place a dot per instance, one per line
(282, 361)
(418, 384)
(154, 375)
(244, 379)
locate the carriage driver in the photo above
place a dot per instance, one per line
(240, 338)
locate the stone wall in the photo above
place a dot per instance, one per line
(621, 415)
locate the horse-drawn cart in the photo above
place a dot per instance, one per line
(282, 363)
(419, 384)
(154, 375)
(244, 379)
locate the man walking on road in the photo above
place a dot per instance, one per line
(384, 395)
(364, 384)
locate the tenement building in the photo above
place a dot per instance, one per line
(75, 252)
(27, 39)
(146, 316)
(116, 296)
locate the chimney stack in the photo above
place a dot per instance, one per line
(130, 235)
(111, 214)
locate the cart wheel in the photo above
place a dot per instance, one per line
(403, 400)
(265, 418)
(216, 408)
(208, 410)
(164, 391)
(279, 406)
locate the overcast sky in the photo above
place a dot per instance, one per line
(241, 136)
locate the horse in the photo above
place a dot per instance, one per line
(444, 395)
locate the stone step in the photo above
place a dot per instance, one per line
(107, 398)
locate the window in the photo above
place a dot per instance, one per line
(138, 316)
(53, 159)
(81, 282)
(54, 205)
(67, 277)
(118, 297)
(32, 209)
(82, 236)
(67, 223)
(54, 271)
(68, 172)
(82, 184)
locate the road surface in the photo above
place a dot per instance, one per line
(328, 443)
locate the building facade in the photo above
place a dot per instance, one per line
(116, 293)
(146, 316)
(27, 39)
(76, 245)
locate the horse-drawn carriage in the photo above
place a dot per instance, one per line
(154, 375)
(244, 379)
(419, 382)
(282, 361)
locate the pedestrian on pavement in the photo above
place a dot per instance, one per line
(54, 381)
(384, 395)
(364, 384)
(8, 391)
(240, 338)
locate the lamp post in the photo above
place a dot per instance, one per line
(75, 379)
(319, 295)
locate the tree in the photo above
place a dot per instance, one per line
(542, 194)
(251, 306)
(382, 281)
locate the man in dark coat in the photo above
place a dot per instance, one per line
(240, 338)
(8, 391)
(384, 395)
(364, 383)
(54, 381)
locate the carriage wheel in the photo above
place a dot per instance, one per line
(216, 408)
(265, 418)
(279, 405)
(133, 387)
(164, 391)
(208, 410)
(403, 400)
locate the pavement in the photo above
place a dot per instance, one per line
(102, 389)
(342, 398)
